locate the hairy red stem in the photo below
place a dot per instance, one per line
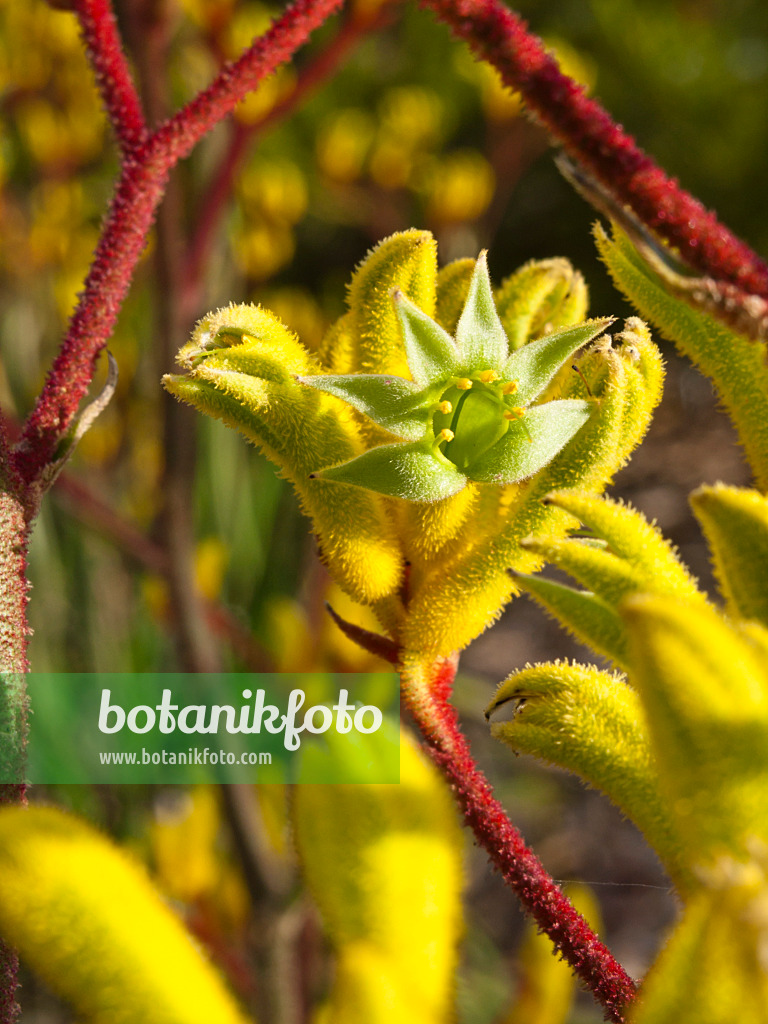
(113, 75)
(595, 141)
(127, 225)
(426, 691)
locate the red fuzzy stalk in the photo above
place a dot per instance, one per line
(594, 141)
(426, 695)
(113, 76)
(137, 196)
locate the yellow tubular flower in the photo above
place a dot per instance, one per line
(86, 917)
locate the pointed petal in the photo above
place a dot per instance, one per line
(430, 350)
(480, 336)
(394, 403)
(531, 442)
(410, 471)
(534, 365)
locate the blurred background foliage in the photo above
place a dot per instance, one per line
(409, 130)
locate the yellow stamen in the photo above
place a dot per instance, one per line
(509, 389)
(463, 383)
(445, 435)
(488, 376)
(445, 407)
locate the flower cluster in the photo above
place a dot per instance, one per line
(466, 414)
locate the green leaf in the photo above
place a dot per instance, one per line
(412, 471)
(531, 442)
(430, 351)
(480, 337)
(534, 365)
(395, 404)
(735, 523)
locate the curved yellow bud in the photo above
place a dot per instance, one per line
(452, 290)
(704, 685)
(384, 866)
(735, 523)
(86, 918)
(736, 365)
(242, 363)
(406, 261)
(542, 296)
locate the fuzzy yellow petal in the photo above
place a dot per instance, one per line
(85, 916)
(384, 866)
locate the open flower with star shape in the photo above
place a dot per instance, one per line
(467, 412)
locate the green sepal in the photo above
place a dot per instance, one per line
(395, 404)
(735, 523)
(542, 296)
(414, 471)
(534, 365)
(588, 617)
(480, 337)
(592, 724)
(735, 365)
(705, 689)
(406, 261)
(531, 442)
(430, 351)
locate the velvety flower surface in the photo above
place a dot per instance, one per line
(467, 412)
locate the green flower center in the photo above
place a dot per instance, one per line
(476, 419)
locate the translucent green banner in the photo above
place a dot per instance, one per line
(185, 728)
